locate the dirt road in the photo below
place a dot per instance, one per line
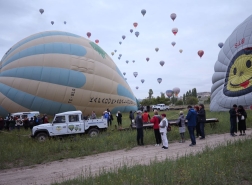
(67, 169)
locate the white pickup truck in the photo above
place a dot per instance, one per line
(68, 123)
(160, 107)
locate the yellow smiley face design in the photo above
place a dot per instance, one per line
(239, 75)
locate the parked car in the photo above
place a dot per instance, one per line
(160, 107)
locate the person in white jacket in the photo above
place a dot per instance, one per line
(163, 131)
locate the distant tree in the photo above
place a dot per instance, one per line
(189, 93)
(208, 101)
(150, 93)
(162, 95)
(194, 92)
(191, 100)
(184, 98)
(179, 102)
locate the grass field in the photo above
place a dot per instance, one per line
(225, 165)
(17, 150)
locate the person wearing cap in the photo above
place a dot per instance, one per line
(139, 127)
(163, 131)
(181, 124)
(202, 120)
(191, 123)
(233, 120)
(156, 119)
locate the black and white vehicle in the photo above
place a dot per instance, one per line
(160, 107)
(69, 123)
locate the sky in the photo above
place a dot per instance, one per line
(201, 26)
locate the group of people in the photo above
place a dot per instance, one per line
(108, 115)
(237, 115)
(12, 122)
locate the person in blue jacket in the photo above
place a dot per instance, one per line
(191, 123)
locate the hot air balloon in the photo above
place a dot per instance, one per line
(137, 33)
(135, 74)
(176, 91)
(124, 73)
(147, 59)
(169, 93)
(174, 31)
(52, 22)
(119, 58)
(96, 41)
(220, 44)
(64, 22)
(115, 50)
(41, 11)
(67, 84)
(123, 37)
(127, 61)
(159, 80)
(131, 30)
(112, 53)
(156, 49)
(88, 34)
(120, 55)
(162, 63)
(120, 42)
(180, 50)
(173, 44)
(173, 16)
(142, 80)
(133, 61)
(135, 24)
(143, 11)
(136, 87)
(200, 53)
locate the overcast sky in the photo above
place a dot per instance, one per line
(201, 24)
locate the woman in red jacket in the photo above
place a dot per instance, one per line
(156, 120)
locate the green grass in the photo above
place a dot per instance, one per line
(225, 165)
(17, 151)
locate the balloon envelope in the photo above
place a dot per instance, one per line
(127, 61)
(137, 33)
(174, 31)
(131, 30)
(162, 63)
(200, 53)
(123, 37)
(120, 55)
(176, 91)
(96, 41)
(169, 93)
(136, 87)
(142, 80)
(135, 74)
(220, 44)
(120, 42)
(143, 11)
(64, 22)
(124, 73)
(147, 59)
(41, 11)
(52, 22)
(180, 50)
(133, 61)
(173, 16)
(156, 49)
(159, 80)
(115, 50)
(112, 53)
(88, 34)
(135, 24)
(173, 43)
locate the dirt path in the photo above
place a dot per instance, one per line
(70, 168)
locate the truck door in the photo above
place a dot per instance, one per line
(75, 125)
(59, 125)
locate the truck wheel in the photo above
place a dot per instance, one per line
(41, 137)
(93, 132)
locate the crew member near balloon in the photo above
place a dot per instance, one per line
(233, 120)
(156, 119)
(131, 117)
(139, 127)
(181, 124)
(191, 123)
(163, 131)
(119, 119)
(202, 120)
(146, 117)
(242, 116)
(196, 108)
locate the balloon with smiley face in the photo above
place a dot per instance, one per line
(232, 80)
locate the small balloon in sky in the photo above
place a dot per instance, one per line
(127, 61)
(159, 80)
(131, 30)
(181, 50)
(142, 80)
(123, 37)
(174, 31)
(112, 53)
(220, 44)
(173, 44)
(88, 34)
(120, 55)
(115, 50)
(135, 74)
(41, 11)
(143, 11)
(52, 22)
(135, 24)
(173, 16)
(137, 87)
(124, 73)
(161, 63)
(120, 42)
(156, 49)
(64, 22)
(96, 41)
(133, 61)
(147, 59)
(137, 33)
(200, 53)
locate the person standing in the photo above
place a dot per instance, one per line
(146, 117)
(181, 124)
(163, 131)
(139, 127)
(131, 117)
(242, 116)
(196, 108)
(119, 119)
(233, 120)
(105, 116)
(191, 123)
(93, 115)
(156, 119)
(202, 120)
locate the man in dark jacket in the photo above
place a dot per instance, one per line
(139, 127)
(191, 123)
(233, 120)
(202, 120)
